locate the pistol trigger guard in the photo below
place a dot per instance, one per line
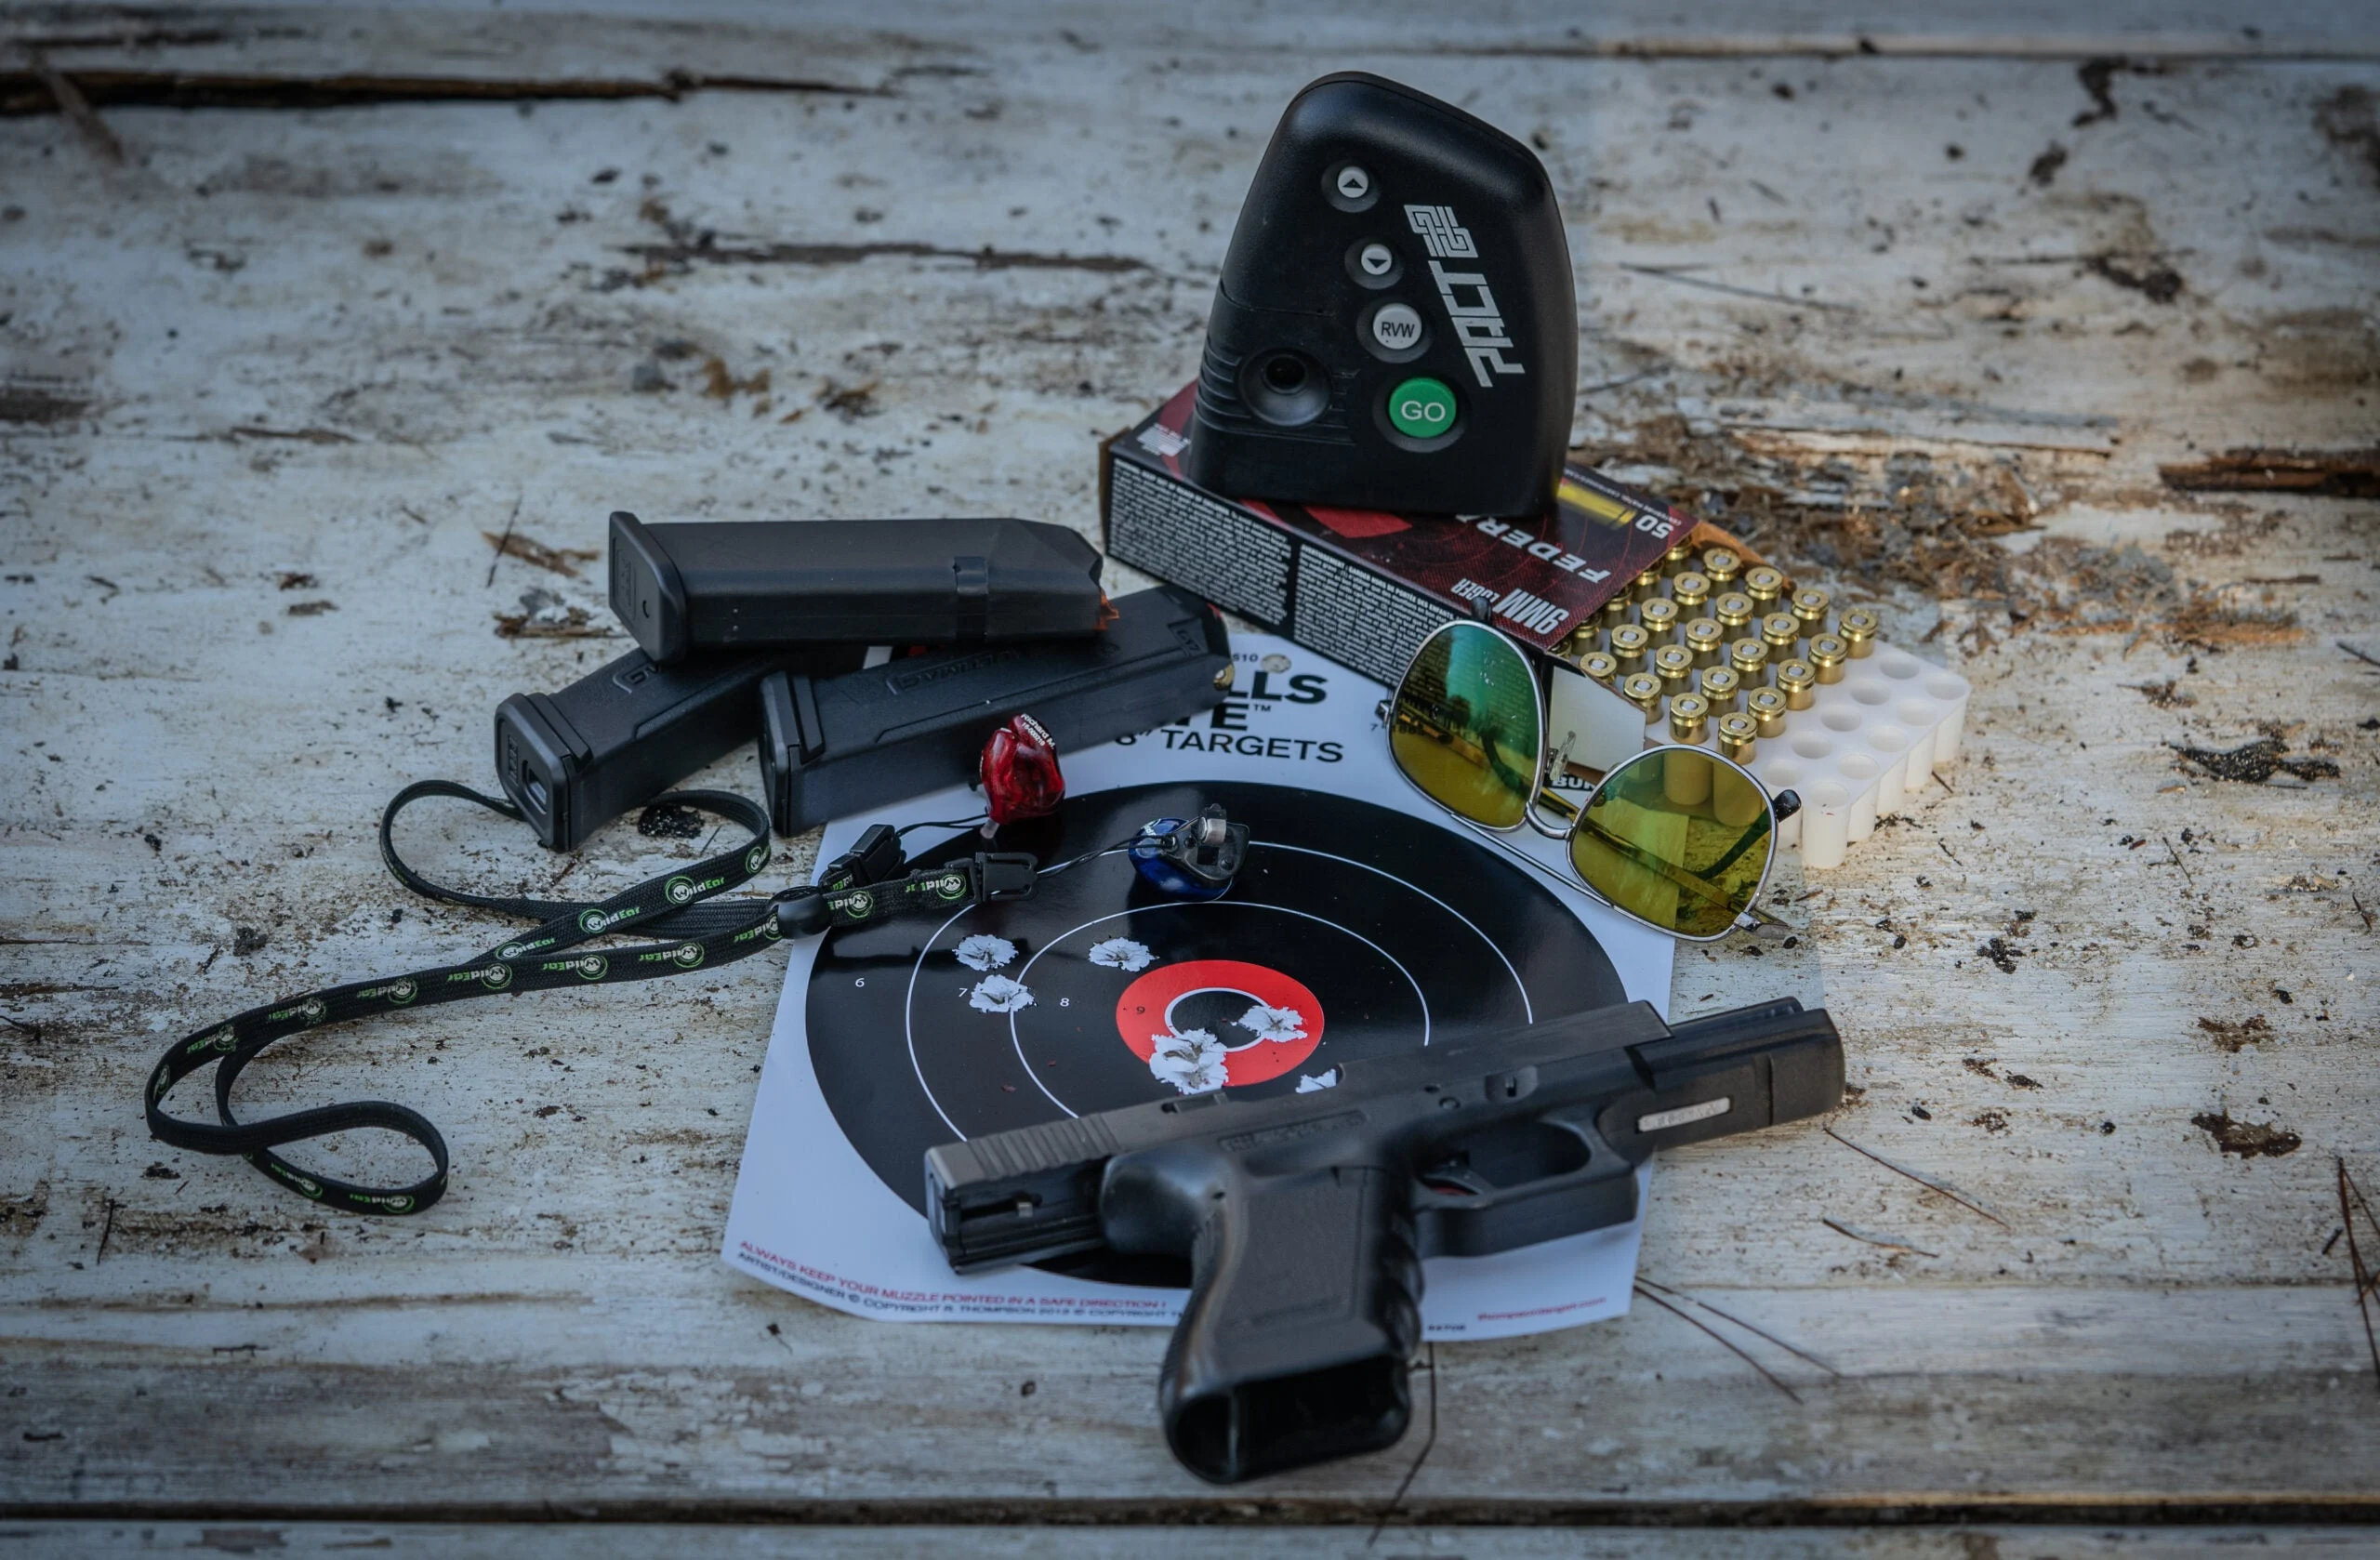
(1603, 1159)
(1459, 1212)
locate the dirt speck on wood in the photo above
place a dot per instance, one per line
(563, 560)
(2346, 121)
(671, 822)
(2163, 694)
(2231, 1036)
(2001, 954)
(39, 406)
(2254, 763)
(2247, 1139)
(2159, 281)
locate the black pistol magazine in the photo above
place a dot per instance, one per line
(628, 731)
(833, 746)
(688, 587)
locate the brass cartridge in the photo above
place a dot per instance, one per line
(1688, 713)
(1779, 631)
(1767, 707)
(1718, 687)
(1859, 630)
(1628, 642)
(1736, 737)
(1707, 640)
(1658, 616)
(1826, 655)
(1722, 566)
(1689, 590)
(1810, 607)
(1748, 658)
(1674, 664)
(1601, 664)
(1733, 609)
(1764, 585)
(1643, 690)
(1798, 680)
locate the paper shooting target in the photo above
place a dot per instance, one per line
(1354, 930)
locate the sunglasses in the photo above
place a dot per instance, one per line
(1678, 838)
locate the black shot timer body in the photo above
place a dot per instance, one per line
(1396, 327)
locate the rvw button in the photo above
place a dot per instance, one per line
(1397, 326)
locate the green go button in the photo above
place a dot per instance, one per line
(1422, 408)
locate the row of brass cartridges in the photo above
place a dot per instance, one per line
(1738, 695)
(1709, 609)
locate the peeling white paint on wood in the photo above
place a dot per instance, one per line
(305, 358)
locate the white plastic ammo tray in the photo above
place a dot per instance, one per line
(1866, 746)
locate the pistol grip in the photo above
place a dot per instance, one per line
(1305, 1308)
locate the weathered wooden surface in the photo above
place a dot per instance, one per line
(586, 1541)
(267, 384)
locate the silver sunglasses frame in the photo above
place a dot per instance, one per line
(1539, 793)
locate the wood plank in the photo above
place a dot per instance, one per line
(745, 39)
(586, 1541)
(643, 1389)
(333, 348)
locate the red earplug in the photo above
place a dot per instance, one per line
(1019, 774)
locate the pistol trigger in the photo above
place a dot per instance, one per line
(1455, 1178)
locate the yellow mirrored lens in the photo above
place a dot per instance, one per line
(1465, 726)
(1678, 838)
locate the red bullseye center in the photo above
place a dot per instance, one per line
(1145, 1012)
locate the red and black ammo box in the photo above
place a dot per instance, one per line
(1365, 587)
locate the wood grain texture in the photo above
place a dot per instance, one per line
(588, 1541)
(266, 388)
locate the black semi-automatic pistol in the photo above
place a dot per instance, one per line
(1305, 1217)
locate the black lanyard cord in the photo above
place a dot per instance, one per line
(535, 960)
(700, 936)
(680, 916)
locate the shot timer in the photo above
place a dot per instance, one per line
(1396, 327)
